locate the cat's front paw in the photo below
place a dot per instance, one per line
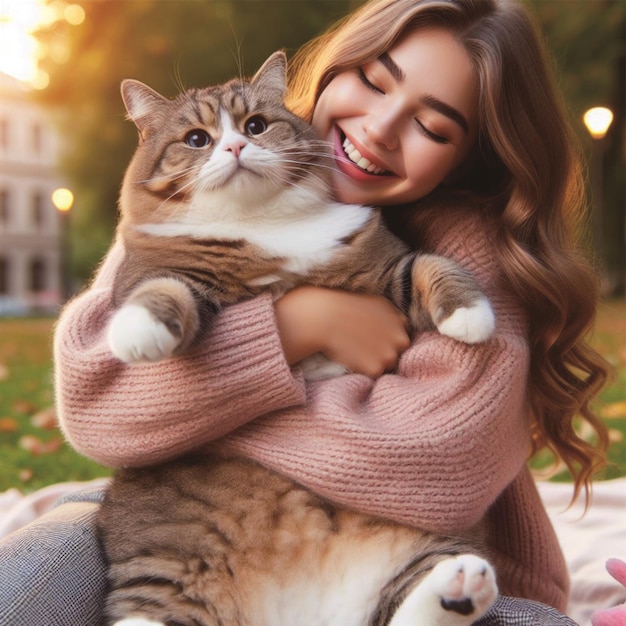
(135, 335)
(472, 324)
(318, 367)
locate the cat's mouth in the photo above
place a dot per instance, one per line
(356, 158)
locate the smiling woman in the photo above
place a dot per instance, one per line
(19, 48)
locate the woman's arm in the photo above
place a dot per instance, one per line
(119, 414)
(433, 445)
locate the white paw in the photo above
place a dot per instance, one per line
(470, 324)
(457, 592)
(137, 621)
(318, 367)
(135, 335)
(466, 585)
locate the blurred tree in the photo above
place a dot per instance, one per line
(588, 41)
(168, 44)
(173, 43)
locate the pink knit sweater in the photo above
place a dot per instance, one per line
(441, 445)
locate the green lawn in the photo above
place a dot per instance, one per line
(33, 453)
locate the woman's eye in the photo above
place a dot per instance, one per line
(431, 135)
(255, 125)
(198, 138)
(365, 80)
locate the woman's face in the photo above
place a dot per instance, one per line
(399, 125)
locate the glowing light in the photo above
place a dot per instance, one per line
(598, 120)
(74, 14)
(63, 199)
(19, 49)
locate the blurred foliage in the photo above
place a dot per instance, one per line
(587, 39)
(174, 43)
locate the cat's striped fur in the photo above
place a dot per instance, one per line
(212, 541)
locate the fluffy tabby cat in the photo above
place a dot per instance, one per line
(227, 196)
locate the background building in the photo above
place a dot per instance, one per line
(30, 226)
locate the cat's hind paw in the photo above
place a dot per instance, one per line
(466, 585)
(457, 592)
(473, 324)
(135, 335)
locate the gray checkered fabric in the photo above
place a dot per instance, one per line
(519, 612)
(52, 571)
(52, 574)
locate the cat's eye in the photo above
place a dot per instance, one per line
(256, 125)
(198, 138)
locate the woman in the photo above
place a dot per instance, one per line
(444, 112)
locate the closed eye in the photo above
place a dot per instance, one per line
(430, 134)
(365, 80)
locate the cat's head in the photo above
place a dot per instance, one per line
(236, 142)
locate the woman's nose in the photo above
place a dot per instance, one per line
(381, 128)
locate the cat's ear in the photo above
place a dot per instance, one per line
(273, 73)
(141, 102)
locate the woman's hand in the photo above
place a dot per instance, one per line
(365, 333)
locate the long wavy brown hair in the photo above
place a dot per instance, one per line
(527, 162)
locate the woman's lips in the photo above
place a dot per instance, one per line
(353, 164)
(355, 156)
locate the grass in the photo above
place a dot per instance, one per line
(33, 453)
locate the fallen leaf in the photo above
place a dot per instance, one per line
(30, 443)
(25, 475)
(51, 446)
(37, 447)
(4, 372)
(24, 407)
(46, 419)
(8, 425)
(616, 436)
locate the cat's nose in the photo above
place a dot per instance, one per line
(235, 146)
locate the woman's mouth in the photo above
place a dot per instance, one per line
(357, 159)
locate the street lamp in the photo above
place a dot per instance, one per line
(597, 120)
(63, 199)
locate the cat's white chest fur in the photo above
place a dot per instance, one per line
(294, 225)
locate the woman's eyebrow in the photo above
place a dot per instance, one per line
(447, 110)
(392, 67)
(428, 100)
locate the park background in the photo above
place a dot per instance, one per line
(174, 43)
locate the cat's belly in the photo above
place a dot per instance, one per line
(244, 538)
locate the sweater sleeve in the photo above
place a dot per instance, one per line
(119, 414)
(432, 446)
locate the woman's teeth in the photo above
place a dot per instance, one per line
(355, 156)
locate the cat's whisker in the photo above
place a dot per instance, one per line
(165, 177)
(184, 188)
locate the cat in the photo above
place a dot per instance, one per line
(228, 196)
